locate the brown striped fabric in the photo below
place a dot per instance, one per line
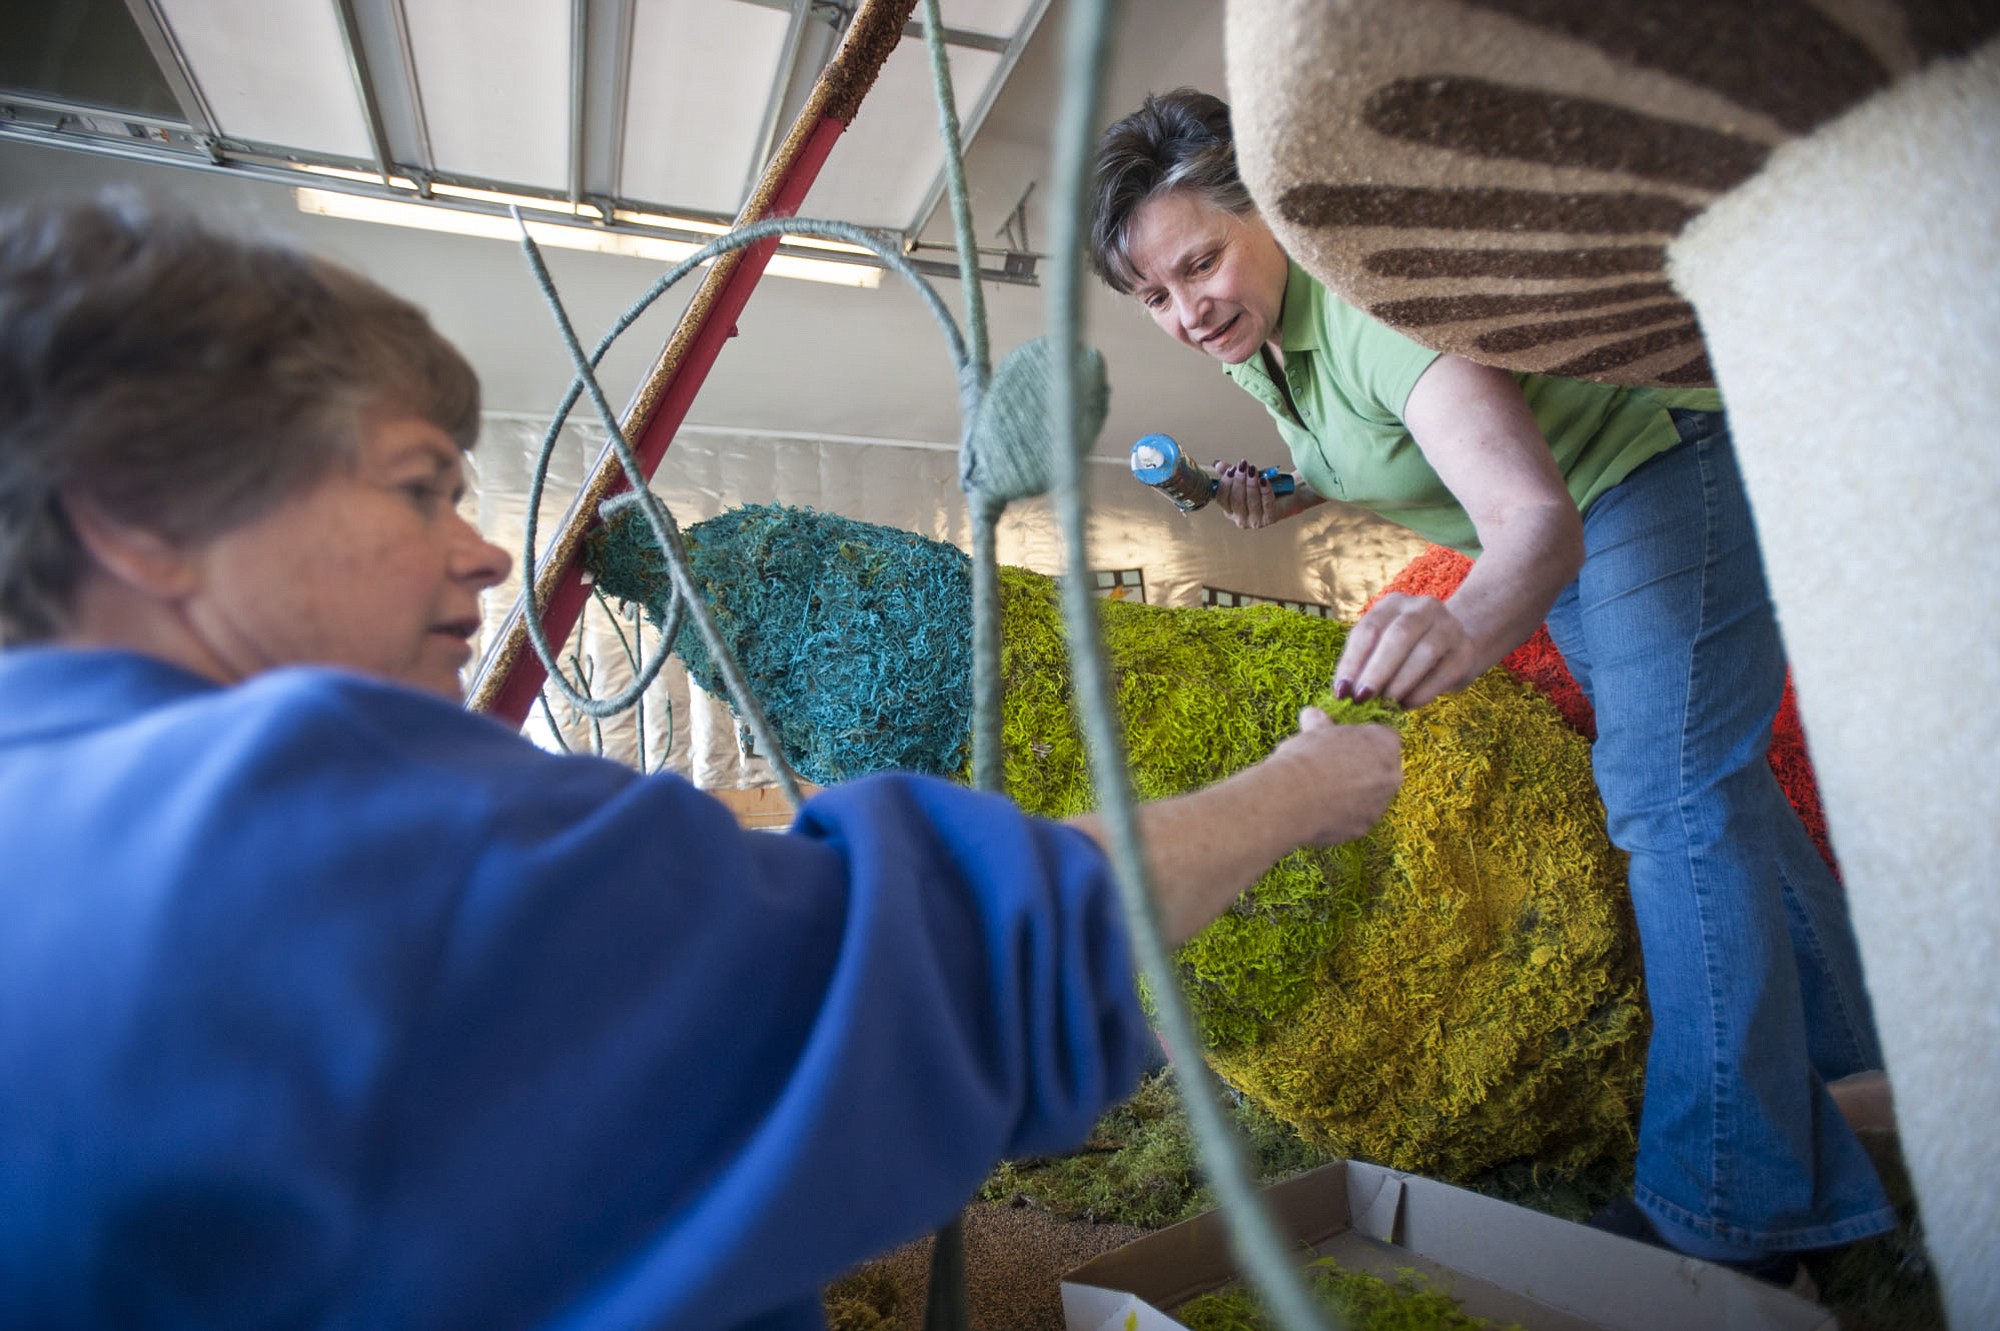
(1500, 178)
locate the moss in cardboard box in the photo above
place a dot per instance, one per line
(1363, 1301)
(1458, 989)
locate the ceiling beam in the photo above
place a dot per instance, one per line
(364, 87)
(978, 41)
(174, 68)
(970, 121)
(579, 60)
(601, 81)
(378, 33)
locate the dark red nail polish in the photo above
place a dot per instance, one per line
(1363, 695)
(1342, 689)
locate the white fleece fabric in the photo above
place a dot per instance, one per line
(1850, 294)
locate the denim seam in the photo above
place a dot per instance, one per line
(1863, 1226)
(1715, 1200)
(1809, 927)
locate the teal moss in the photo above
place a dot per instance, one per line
(1456, 990)
(854, 636)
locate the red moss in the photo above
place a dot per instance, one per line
(1438, 571)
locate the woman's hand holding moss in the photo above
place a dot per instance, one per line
(1322, 786)
(1346, 775)
(1407, 649)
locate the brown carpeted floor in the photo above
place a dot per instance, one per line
(1015, 1257)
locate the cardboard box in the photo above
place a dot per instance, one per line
(1500, 1262)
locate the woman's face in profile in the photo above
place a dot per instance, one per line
(371, 568)
(1211, 279)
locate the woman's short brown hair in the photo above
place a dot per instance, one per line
(185, 380)
(1176, 140)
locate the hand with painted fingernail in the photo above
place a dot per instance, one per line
(1245, 495)
(1407, 649)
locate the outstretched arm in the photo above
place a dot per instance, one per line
(1476, 431)
(1325, 785)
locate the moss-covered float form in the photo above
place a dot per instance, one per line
(1457, 990)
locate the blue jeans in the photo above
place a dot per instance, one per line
(1751, 966)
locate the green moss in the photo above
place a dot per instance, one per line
(1349, 712)
(1364, 1302)
(866, 1299)
(1181, 677)
(1140, 1166)
(1884, 1283)
(1567, 1194)
(1456, 994)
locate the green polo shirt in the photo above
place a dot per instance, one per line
(1351, 376)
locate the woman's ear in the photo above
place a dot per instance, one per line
(140, 558)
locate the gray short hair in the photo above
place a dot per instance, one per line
(184, 380)
(1176, 140)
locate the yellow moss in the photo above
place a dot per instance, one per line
(1460, 988)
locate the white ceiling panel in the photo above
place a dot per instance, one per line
(655, 106)
(701, 77)
(273, 71)
(882, 170)
(997, 18)
(494, 78)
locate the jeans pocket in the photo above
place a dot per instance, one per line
(1693, 424)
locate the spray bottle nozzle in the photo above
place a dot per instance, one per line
(1159, 461)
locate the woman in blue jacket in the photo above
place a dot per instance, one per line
(330, 1003)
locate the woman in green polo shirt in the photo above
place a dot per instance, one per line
(1617, 516)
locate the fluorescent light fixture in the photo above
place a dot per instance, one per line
(358, 177)
(696, 224)
(504, 199)
(701, 226)
(426, 217)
